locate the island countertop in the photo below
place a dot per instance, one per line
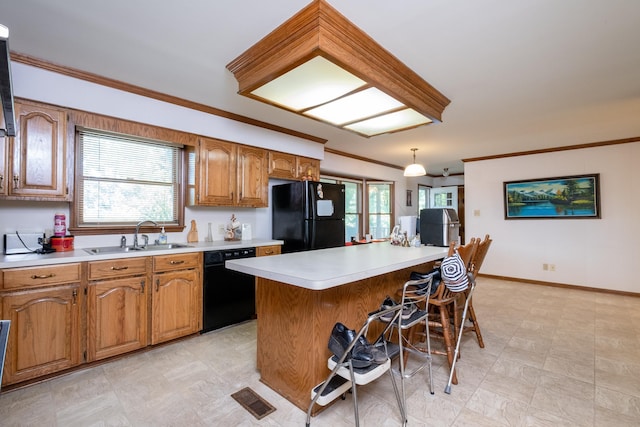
(326, 268)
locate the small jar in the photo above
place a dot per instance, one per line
(59, 225)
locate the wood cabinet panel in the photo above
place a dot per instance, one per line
(308, 169)
(116, 316)
(282, 165)
(176, 305)
(253, 180)
(27, 277)
(177, 261)
(216, 183)
(268, 250)
(97, 270)
(227, 174)
(45, 331)
(39, 154)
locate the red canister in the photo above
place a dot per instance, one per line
(62, 244)
(59, 225)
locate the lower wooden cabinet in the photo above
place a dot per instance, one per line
(117, 306)
(176, 298)
(105, 308)
(116, 317)
(45, 331)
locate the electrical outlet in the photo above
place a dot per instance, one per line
(545, 267)
(476, 212)
(221, 229)
(552, 267)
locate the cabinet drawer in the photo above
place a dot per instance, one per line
(176, 262)
(268, 250)
(14, 278)
(117, 268)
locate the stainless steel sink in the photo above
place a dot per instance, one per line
(118, 249)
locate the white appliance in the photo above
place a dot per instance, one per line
(408, 225)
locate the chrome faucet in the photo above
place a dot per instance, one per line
(135, 235)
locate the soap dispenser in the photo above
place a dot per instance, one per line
(162, 239)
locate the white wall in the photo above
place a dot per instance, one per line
(598, 253)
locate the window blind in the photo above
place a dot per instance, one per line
(123, 180)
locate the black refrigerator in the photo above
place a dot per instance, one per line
(308, 215)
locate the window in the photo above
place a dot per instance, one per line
(378, 205)
(423, 197)
(380, 197)
(123, 180)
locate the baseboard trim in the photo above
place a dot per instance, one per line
(562, 285)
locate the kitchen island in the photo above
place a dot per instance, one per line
(300, 296)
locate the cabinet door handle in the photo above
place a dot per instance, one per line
(115, 268)
(268, 252)
(142, 286)
(75, 296)
(176, 262)
(43, 276)
(1, 181)
(15, 182)
(157, 285)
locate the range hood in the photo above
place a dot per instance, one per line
(6, 92)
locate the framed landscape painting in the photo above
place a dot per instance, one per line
(565, 197)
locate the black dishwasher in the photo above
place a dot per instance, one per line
(228, 296)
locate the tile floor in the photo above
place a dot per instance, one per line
(553, 357)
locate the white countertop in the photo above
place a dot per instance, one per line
(326, 268)
(80, 255)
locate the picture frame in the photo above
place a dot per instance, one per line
(564, 197)
(409, 193)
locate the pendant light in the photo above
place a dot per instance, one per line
(414, 169)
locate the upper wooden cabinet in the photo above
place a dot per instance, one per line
(282, 165)
(253, 179)
(34, 162)
(229, 174)
(308, 168)
(289, 166)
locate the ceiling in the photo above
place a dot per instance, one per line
(521, 75)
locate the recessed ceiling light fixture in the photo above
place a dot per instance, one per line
(320, 65)
(414, 169)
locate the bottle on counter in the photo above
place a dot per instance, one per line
(162, 239)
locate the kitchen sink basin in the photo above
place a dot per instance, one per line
(118, 249)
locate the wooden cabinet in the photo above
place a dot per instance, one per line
(289, 166)
(282, 165)
(176, 297)
(35, 161)
(253, 180)
(229, 174)
(268, 250)
(117, 303)
(44, 305)
(308, 168)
